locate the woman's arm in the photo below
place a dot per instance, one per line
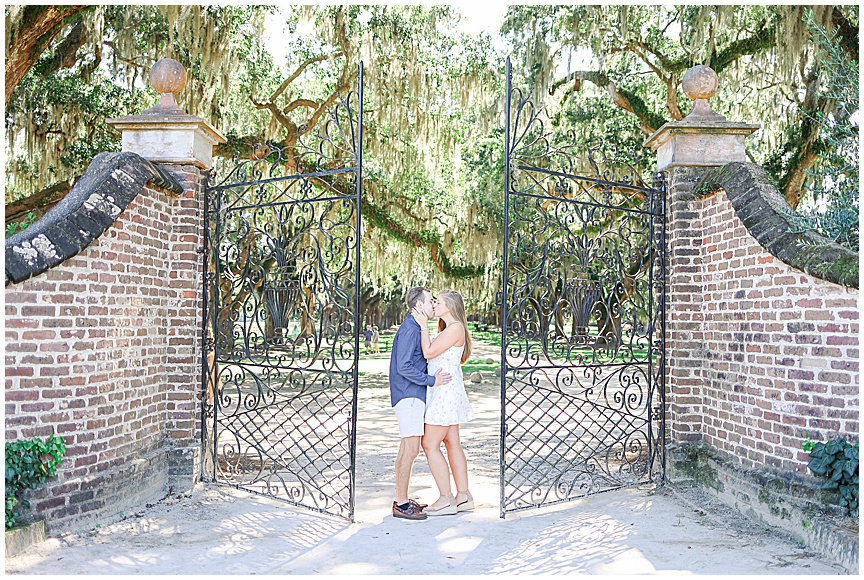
(448, 337)
(423, 321)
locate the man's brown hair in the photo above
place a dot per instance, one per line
(414, 296)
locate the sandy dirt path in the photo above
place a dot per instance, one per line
(220, 530)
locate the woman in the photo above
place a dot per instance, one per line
(375, 336)
(447, 405)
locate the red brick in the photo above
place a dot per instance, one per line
(38, 335)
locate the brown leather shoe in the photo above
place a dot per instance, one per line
(419, 506)
(410, 513)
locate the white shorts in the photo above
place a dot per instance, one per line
(410, 413)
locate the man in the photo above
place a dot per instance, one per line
(408, 383)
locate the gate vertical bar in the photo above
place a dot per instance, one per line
(661, 437)
(509, 79)
(205, 368)
(652, 321)
(210, 374)
(358, 191)
(653, 312)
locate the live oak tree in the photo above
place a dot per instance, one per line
(765, 57)
(425, 87)
(92, 68)
(834, 211)
(32, 29)
(433, 151)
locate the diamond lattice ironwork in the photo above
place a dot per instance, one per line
(281, 315)
(582, 312)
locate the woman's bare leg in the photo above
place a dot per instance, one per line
(432, 437)
(458, 461)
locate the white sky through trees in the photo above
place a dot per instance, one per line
(478, 16)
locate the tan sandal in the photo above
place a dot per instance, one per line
(466, 505)
(446, 510)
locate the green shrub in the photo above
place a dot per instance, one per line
(837, 462)
(29, 462)
(14, 228)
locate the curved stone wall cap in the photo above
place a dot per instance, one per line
(766, 214)
(159, 121)
(110, 183)
(699, 126)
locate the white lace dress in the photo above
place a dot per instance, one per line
(448, 404)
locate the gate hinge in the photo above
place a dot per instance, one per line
(199, 250)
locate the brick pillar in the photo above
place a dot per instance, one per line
(683, 307)
(685, 150)
(183, 145)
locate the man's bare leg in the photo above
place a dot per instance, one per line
(409, 448)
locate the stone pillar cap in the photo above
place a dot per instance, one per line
(167, 120)
(164, 133)
(703, 138)
(699, 126)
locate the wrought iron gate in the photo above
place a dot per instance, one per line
(281, 328)
(582, 318)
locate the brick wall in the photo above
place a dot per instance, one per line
(760, 355)
(102, 350)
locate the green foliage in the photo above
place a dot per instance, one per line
(13, 228)
(599, 121)
(486, 333)
(60, 145)
(638, 54)
(29, 462)
(836, 178)
(837, 462)
(482, 176)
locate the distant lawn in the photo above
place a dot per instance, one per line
(490, 336)
(385, 338)
(483, 367)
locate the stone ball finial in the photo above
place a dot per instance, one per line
(168, 77)
(700, 84)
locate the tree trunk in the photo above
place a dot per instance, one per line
(39, 203)
(793, 181)
(39, 25)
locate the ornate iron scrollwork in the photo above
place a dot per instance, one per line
(582, 316)
(281, 324)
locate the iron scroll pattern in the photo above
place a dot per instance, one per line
(281, 336)
(582, 317)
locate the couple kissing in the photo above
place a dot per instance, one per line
(427, 393)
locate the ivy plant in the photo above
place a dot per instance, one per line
(837, 462)
(29, 462)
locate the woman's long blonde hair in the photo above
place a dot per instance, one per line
(454, 303)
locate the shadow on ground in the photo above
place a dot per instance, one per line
(220, 530)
